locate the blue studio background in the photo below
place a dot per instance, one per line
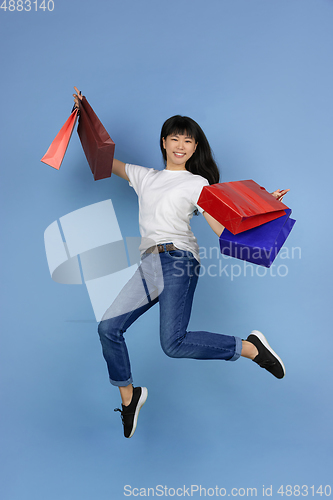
(257, 76)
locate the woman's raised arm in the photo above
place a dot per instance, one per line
(118, 167)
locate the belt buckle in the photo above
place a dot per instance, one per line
(160, 248)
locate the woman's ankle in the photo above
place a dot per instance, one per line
(249, 350)
(126, 394)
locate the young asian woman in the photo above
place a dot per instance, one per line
(170, 265)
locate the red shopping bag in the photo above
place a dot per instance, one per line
(240, 205)
(96, 142)
(56, 152)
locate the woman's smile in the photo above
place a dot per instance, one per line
(179, 148)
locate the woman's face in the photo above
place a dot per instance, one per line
(179, 148)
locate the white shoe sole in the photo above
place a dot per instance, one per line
(141, 402)
(263, 340)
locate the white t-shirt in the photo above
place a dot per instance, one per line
(167, 199)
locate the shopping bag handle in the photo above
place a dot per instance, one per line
(74, 107)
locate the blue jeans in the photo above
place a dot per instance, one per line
(169, 278)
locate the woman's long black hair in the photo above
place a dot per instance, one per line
(201, 162)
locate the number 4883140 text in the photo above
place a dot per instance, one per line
(27, 5)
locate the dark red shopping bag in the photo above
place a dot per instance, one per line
(96, 142)
(240, 205)
(56, 152)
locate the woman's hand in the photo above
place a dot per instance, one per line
(279, 194)
(77, 98)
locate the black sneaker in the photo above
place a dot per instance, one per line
(266, 358)
(130, 413)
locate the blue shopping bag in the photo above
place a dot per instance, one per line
(259, 245)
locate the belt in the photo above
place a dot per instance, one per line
(161, 248)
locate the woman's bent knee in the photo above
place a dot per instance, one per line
(102, 329)
(171, 350)
(108, 329)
